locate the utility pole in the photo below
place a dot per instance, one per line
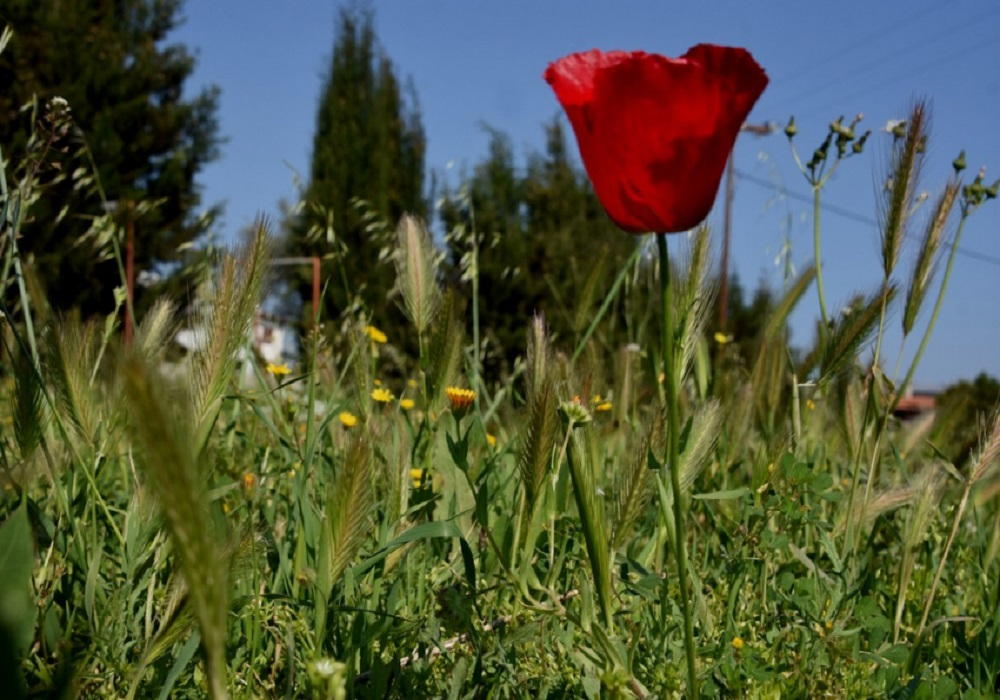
(727, 221)
(129, 269)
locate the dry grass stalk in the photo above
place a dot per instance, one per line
(896, 205)
(416, 269)
(927, 258)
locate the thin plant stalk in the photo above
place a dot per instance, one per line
(673, 455)
(607, 301)
(937, 305)
(819, 268)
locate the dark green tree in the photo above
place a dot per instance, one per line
(962, 411)
(546, 244)
(111, 61)
(367, 171)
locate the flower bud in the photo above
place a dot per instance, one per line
(574, 412)
(959, 163)
(859, 145)
(993, 190)
(791, 129)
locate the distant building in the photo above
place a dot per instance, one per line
(915, 404)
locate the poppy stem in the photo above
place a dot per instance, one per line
(672, 458)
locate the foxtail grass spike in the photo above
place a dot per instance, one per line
(928, 255)
(416, 270)
(902, 180)
(237, 293)
(168, 455)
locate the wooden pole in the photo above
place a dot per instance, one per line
(129, 271)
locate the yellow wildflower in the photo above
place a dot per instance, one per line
(737, 643)
(722, 338)
(491, 439)
(382, 395)
(603, 406)
(249, 480)
(278, 370)
(417, 476)
(225, 507)
(810, 404)
(375, 334)
(460, 398)
(348, 419)
(406, 404)
(412, 383)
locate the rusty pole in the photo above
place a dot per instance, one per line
(129, 270)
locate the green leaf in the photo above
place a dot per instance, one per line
(729, 495)
(17, 560)
(423, 531)
(182, 660)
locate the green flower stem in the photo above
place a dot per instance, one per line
(816, 254)
(673, 456)
(901, 389)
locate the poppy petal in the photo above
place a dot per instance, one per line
(654, 133)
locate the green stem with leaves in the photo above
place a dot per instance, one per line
(672, 457)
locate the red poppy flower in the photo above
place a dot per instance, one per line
(655, 132)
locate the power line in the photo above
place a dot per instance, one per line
(877, 34)
(852, 215)
(902, 75)
(918, 47)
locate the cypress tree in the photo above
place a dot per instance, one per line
(123, 83)
(367, 170)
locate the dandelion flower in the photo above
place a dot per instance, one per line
(249, 481)
(375, 334)
(348, 419)
(278, 370)
(382, 395)
(491, 439)
(737, 643)
(460, 399)
(406, 404)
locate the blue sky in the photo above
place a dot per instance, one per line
(476, 62)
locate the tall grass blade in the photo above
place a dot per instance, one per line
(445, 353)
(28, 416)
(238, 288)
(778, 319)
(927, 257)
(852, 330)
(903, 176)
(632, 492)
(541, 433)
(168, 455)
(590, 506)
(538, 358)
(350, 506)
